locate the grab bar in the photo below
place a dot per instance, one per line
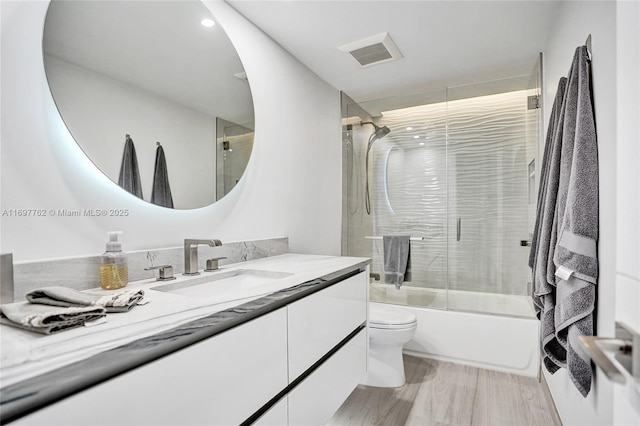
(594, 346)
(621, 347)
(458, 229)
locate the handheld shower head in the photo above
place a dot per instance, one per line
(379, 132)
(382, 131)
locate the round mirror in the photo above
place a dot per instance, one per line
(155, 95)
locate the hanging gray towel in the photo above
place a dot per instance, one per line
(543, 241)
(161, 194)
(554, 121)
(120, 301)
(129, 178)
(575, 256)
(47, 319)
(564, 246)
(396, 259)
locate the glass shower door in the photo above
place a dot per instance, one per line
(489, 160)
(409, 196)
(457, 172)
(234, 144)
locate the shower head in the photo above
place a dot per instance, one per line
(382, 131)
(379, 132)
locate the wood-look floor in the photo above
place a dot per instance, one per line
(442, 393)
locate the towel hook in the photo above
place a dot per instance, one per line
(588, 44)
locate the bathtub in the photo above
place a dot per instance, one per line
(493, 331)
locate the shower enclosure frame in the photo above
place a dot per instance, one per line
(434, 339)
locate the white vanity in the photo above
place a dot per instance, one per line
(287, 358)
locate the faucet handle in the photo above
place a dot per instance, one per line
(165, 272)
(212, 264)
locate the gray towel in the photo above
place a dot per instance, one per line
(161, 194)
(396, 259)
(564, 247)
(554, 121)
(121, 301)
(129, 178)
(578, 191)
(541, 255)
(46, 319)
(577, 222)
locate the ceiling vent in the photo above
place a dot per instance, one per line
(373, 50)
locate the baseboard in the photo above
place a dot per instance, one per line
(549, 398)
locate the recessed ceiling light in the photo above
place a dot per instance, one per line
(421, 144)
(208, 22)
(409, 128)
(416, 137)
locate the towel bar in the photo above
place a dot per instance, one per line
(410, 238)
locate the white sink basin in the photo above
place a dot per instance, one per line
(230, 285)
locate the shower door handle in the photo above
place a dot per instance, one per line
(458, 228)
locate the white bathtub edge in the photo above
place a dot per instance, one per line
(471, 363)
(492, 342)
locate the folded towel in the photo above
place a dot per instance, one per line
(121, 301)
(45, 319)
(396, 259)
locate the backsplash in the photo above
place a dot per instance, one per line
(83, 273)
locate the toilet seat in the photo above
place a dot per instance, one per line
(391, 318)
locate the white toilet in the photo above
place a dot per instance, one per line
(389, 329)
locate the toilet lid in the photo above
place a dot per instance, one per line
(383, 317)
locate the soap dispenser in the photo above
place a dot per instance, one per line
(114, 272)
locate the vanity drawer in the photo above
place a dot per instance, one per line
(316, 399)
(320, 321)
(219, 381)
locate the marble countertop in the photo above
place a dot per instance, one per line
(35, 370)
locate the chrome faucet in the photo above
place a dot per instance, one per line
(191, 254)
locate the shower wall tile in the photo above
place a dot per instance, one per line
(442, 161)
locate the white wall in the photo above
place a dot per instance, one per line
(576, 20)
(627, 398)
(99, 111)
(291, 187)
